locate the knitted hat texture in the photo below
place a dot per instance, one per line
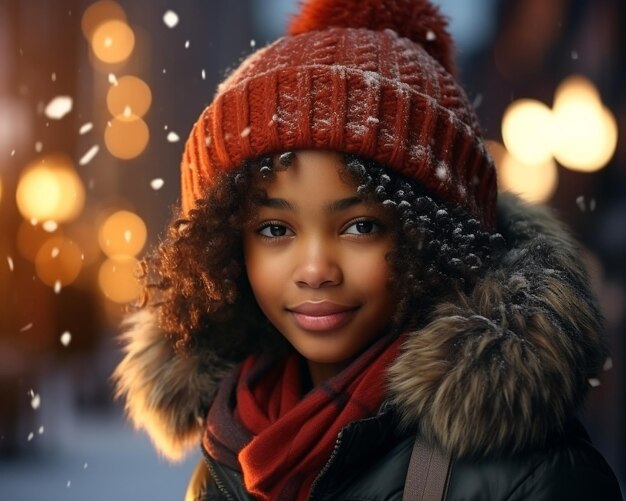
(372, 78)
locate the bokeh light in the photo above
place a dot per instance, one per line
(30, 237)
(113, 41)
(131, 96)
(126, 137)
(117, 279)
(587, 130)
(527, 131)
(123, 233)
(99, 12)
(532, 182)
(58, 261)
(50, 189)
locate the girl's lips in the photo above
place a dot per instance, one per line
(323, 322)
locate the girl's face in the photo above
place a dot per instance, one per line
(315, 257)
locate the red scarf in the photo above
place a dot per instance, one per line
(291, 436)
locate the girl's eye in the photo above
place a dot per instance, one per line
(363, 228)
(275, 230)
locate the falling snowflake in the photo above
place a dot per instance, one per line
(31, 435)
(170, 18)
(50, 226)
(38, 146)
(40, 430)
(10, 261)
(13, 151)
(53, 77)
(430, 36)
(594, 382)
(128, 236)
(203, 73)
(157, 183)
(66, 338)
(442, 171)
(85, 128)
(112, 79)
(253, 43)
(35, 401)
(54, 252)
(88, 157)
(85, 466)
(26, 327)
(59, 107)
(172, 137)
(245, 132)
(186, 44)
(608, 364)
(57, 287)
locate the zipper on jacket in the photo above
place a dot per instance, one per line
(331, 460)
(215, 476)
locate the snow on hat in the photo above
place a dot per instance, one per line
(372, 78)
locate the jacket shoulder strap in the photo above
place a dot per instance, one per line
(427, 475)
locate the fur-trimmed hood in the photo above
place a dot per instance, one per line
(501, 369)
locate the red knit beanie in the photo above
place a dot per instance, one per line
(372, 78)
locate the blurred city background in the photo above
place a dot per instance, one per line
(96, 101)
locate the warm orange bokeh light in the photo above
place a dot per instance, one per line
(99, 12)
(117, 279)
(532, 182)
(113, 41)
(126, 137)
(30, 238)
(123, 233)
(131, 96)
(58, 261)
(50, 188)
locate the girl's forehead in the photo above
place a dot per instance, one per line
(310, 172)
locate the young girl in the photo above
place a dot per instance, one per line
(341, 292)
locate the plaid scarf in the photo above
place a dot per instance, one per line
(261, 425)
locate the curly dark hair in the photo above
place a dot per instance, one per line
(196, 281)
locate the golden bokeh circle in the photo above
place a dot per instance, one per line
(131, 96)
(118, 279)
(113, 41)
(126, 137)
(50, 188)
(98, 13)
(122, 233)
(58, 261)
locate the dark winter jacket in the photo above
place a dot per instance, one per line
(494, 379)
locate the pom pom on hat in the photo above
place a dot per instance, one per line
(417, 20)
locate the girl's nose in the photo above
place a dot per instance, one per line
(317, 267)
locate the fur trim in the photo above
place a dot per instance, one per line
(418, 20)
(166, 393)
(507, 366)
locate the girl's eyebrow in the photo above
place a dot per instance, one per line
(333, 207)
